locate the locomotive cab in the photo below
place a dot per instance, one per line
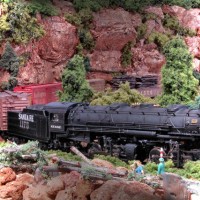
(57, 116)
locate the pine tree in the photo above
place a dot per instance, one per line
(10, 60)
(179, 84)
(75, 86)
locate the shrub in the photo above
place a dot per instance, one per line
(158, 38)
(44, 7)
(83, 18)
(123, 94)
(75, 86)
(126, 57)
(89, 4)
(173, 24)
(141, 31)
(86, 39)
(12, 82)
(178, 82)
(115, 161)
(149, 16)
(18, 25)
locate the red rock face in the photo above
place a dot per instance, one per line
(190, 19)
(114, 28)
(49, 55)
(105, 61)
(146, 61)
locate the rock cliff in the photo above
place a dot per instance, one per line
(111, 29)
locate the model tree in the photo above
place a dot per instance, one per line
(9, 60)
(179, 84)
(75, 86)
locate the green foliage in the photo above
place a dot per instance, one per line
(131, 5)
(123, 94)
(64, 155)
(83, 18)
(11, 153)
(195, 104)
(18, 25)
(5, 1)
(115, 161)
(126, 55)
(23, 27)
(88, 171)
(178, 82)
(87, 64)
(75, 86)
(173, 24)
(44, 7)
(87, 4)
(73, 19)
(86, 39)
(151, 167)
(184, 3)
(158, 38)
(9, 60)
(4, 25)
(141, 31)
(134, 5)
(149, 16)
(12, 82)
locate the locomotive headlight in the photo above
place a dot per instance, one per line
(194, 121)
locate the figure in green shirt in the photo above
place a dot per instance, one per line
(161, 166)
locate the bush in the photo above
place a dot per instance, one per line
(86, 39)
(64, 155)
(44, 7)
(173, 24)
(89, 4)
(141, 31)
(12, 82)
(158, 38)
(75, 86)
(178, 82)
(18, 25)
(115, 161)
(123, 94)
(126, 57)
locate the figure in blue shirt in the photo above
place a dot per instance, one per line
(161, 166)
(138, 167)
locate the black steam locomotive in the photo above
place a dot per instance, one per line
(129, 132)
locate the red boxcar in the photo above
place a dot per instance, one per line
(41, 94)
(12, 101)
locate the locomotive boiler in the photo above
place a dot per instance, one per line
(128, 132)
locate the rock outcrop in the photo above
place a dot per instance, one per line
(111, 29)
(73, 186)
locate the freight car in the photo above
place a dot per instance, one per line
(41, 93)
(129, 132)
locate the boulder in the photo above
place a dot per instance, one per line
(7, 175)
(117, 190)
(15, 188)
